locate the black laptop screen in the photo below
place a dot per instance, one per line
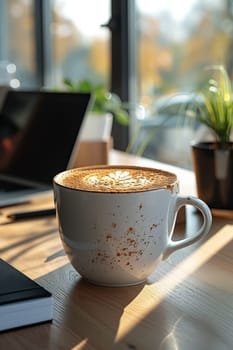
(38, 130)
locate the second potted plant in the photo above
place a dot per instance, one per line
(213, 161)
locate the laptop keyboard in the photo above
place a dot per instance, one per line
(8, 186)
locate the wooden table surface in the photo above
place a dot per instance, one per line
(187, 303)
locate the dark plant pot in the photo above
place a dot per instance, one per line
(213, 167)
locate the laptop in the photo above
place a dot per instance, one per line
(38, 138)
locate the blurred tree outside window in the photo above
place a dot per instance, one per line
(176, 41)
(80, 46)
(18, 41)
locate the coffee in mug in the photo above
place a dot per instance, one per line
(116, 222)
(117, 179)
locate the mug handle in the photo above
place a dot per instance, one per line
(181, 201)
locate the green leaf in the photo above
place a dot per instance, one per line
(104, 101)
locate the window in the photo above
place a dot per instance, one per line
(176, 41)
(17, 43)
(145, 50)
(80, 46)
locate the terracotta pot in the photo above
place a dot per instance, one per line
(213, 167)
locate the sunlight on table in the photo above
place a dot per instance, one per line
(189, 265)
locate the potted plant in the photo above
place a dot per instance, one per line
(95, 135)
(213, 160)
(106, 106)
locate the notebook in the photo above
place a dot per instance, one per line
(38, 138)
(23, 301)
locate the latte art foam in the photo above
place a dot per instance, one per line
(116, 179)
(119, 179)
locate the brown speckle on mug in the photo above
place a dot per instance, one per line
(153, 226)
(131, 230)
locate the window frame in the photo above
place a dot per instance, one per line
(123, 62)
(4, 36)
(43, 42)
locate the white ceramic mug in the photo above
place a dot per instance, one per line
(118, 238)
